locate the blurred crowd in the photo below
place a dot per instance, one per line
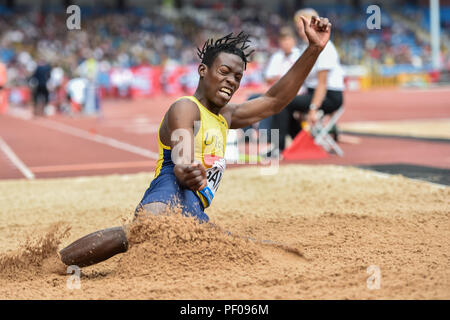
(168, 37)
(401, 42)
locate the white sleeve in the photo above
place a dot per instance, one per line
(328, 58)
(273, 68)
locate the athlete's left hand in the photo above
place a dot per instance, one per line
(192, 176)
(317, 31)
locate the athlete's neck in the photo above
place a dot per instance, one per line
(205, 102)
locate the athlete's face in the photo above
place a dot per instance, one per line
(223, 78)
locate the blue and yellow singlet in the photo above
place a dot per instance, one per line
(209, 150)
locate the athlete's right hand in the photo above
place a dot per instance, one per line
(317, 31)
(192, 176)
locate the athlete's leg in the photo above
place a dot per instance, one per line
(152, 208)
(103, 244)
(95, 247)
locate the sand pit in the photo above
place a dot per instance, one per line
(325, 225)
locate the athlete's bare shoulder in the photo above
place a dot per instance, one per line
(181, 114)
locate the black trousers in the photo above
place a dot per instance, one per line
(40, 98)
(285, 122)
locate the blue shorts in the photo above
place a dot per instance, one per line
(165, 188)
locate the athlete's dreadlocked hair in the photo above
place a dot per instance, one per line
(229, 44)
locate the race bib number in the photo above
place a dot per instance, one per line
(213, 177)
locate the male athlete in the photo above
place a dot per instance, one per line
(192, 136)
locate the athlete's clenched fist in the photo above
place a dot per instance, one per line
(192, 176)
(317, 30)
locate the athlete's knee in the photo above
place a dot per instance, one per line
(153, 208)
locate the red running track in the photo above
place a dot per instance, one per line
(124, 139)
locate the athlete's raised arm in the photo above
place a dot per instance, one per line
(285, 89)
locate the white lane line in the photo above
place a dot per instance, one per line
(15, 160)
(98, 138)
(92, 137)
(50, 124)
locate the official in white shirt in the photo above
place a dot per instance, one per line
(324, 84)
(283, 59)
(279, 64)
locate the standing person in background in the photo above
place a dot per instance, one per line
(38, 82)
(54, 85)
(3, 90)
(88, 70)
(76, 94)
(324, 84)
(279, 63)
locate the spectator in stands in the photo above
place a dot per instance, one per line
(125, 39)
